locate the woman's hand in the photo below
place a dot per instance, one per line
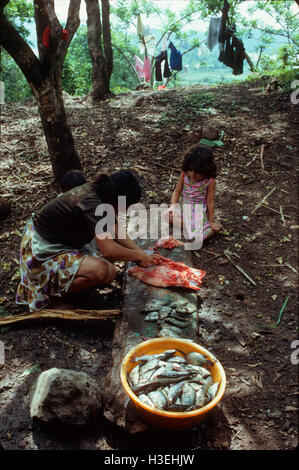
(147, 260)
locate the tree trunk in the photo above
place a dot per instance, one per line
(100, 48)
(44, 78)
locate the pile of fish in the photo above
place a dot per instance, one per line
(171, 317)
(173, 380)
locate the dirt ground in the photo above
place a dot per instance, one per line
(241, 320)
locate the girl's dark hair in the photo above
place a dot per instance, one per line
(71, 179)
(200, 159)
(122, 183)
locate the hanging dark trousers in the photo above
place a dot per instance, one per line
(158, 62)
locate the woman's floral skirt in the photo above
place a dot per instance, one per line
(41, 279)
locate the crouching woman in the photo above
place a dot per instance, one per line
(53, 259)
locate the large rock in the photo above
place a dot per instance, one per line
(67, 397)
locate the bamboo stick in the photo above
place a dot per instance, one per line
(76, 314)
(263, 200)
(239, 269)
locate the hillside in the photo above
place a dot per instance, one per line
(148, 131)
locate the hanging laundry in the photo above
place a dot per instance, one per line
(46, 36)
(140, 28)
(162, 57)
(147, 69)
(239, 55)
(175, 58)
(139, 66)
(233, 54)
(222, 30)
(64, 34)
(213, 33)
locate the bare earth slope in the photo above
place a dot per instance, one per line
(148, 131)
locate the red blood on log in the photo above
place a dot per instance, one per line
(169, 273)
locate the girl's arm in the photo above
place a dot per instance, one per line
(211, 206)
(177, 190)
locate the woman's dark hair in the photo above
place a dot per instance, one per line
(200, 159)
(71, 179)
(122, 183)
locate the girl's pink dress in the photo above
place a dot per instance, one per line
(195, 194)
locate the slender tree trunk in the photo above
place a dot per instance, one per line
(100, 48)
(44, 77)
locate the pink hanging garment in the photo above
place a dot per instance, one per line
(147, 69)
(139, 66)
(166, 272)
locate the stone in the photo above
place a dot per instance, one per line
(67, 397)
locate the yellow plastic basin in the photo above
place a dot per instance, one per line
(170, 419)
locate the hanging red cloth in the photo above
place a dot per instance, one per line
(46, 36)
(64, 34)
(166, 272)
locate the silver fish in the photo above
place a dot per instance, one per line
(175, 322)
(207, 384)
(163, 312)
(165, 332)
(179, 407)
(147, 369)
(154, 305)
(173, 374)
(178, 360)
(172, 327)
(154, 384)
(212, 392)
(152, 316)
(174, 391)
(149, 357)
(200, 399)
(178, 303)
(158, 398)
(186, 308)
(199, 370)
(188, 395)
(177, 316)
(143, 397)
(134, 375)
(198, 359)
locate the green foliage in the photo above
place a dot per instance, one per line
(20, 13)
(77, 68)
(16, 85)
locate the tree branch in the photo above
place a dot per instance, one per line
(21, 52)
(129, 62)
(72, 24)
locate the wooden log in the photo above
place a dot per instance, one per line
(76, 314)
(131, 329)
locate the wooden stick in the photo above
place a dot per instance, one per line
(165, 166)
(270, 209)
(248, 164)
(263, 200)
(282, 215)
(239, 269)
(261, 156)
(64, 314)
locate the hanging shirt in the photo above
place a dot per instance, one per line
(175, 58)
(140, 29)
(139, 66)
(147, 69)
(213, 33)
